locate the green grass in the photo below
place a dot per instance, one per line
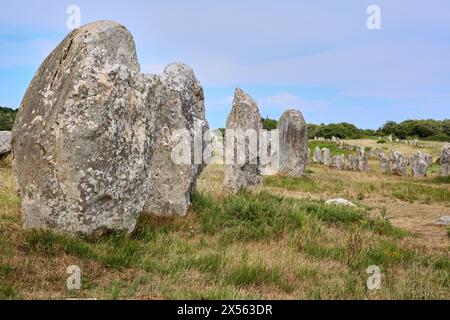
(250, 245)
(248, 216)
(333, 147)
(410, 191)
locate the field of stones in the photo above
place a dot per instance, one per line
(280, 242)
(90, 181)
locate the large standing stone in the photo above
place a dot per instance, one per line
(293, 134)
(445, 160)
(5, 142)
(338, 162)
(326, 156)
(398, 164)
(317, 156)
(244, 115)
(182, 111)
(82, 139)
(86, 131)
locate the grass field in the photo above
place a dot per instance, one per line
(281, 243)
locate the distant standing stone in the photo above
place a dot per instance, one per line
(419, 164)
(317, 156)
(244, 115)
(293, 143)
(384, 163)
(326, 156)
(5, 142)
(352, 164)
(445, 160)
(398, 164)
(363, 161)
(338, 162)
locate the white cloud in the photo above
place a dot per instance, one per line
(287, 100)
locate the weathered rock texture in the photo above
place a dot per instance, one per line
(317, 156)
(445, 160)
(244, 115)
(293, 134)
(398, 164)
(182, 110)
(363, 161)
(338, 162)
(353, 163)
(326, 156)
(84, 137)
(419, 163)
(5, 142)
(384, 163)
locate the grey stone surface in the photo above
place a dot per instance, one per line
(338, 162)
(326, 156)
(363, 161)
(398, 164)
(352, 163)
(317, 155)
(244, 115)
(86, 133)
(293, 143)
(182, 109)
(5, 142)
(419, 163)
(445, 160)
(384, 163)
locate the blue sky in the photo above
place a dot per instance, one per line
(315, 56)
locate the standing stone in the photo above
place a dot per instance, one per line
(363, 161)
(445, 160)
(398, 164)
(293, 143)
(338, 162)
(317, 156)
(372, 153)
(5, 142)
(82, 140)
(352, 164)
(180, 119)
(244, 115)
(419, 163)
(384, 163)
(326, 157)
(93, 136)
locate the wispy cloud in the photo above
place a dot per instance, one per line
(287, 100)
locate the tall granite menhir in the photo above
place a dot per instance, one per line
(244, 115)
(183, 109)
(293, 134)
(85, 135)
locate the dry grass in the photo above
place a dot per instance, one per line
(248, 246)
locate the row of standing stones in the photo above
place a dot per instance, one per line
(339, 162)
(92, 141)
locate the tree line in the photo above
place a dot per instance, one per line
(7, 117)
(436, 130)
